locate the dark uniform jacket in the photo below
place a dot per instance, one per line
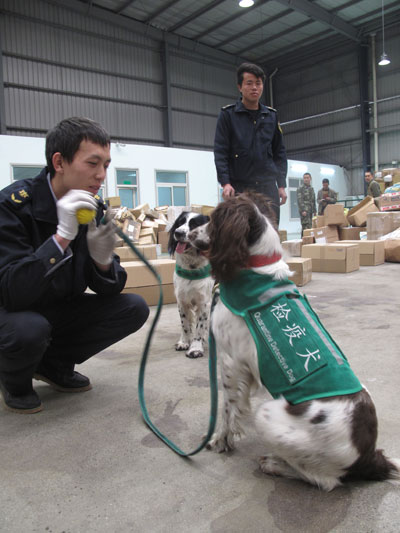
(247, 151)
(33, 271)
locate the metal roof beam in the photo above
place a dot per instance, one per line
(124, 6)
(157, 13)
(227, 20)
(319, 14)
(176, 41)
(196, 14)
(262, 24)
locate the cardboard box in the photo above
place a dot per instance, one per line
(138, 210)
(147, 239)
(372, 253)
(282, 235)
(392, 250)
(334, 215)
(323, 235)
(302, 270)
(293, 247)
(163, 238)
(351, 233)
(126, 254)
(357, 216)
(140, 276)
(389, 201)
(132, 228)
(113, 201)
(202, 209)
(333, 257)
(308, 239)
(152, 293)
(320, 221)
(380, 224)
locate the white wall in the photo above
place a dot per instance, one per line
(203, 188)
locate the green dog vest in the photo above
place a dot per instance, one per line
(297, 357)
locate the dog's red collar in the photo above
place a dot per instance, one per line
(263, 260)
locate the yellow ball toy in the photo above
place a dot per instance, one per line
(84, 216)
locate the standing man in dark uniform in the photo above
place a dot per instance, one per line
(48, 323)
(306, 202)
(248, 149)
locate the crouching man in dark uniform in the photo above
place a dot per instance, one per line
(248, 148)
(48, 323)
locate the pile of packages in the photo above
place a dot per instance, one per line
(148, 229)
(341, 240)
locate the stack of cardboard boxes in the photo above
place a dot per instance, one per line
(143, 225)
(147, 228)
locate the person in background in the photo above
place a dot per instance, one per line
(306, 202)
(325, 196)
(48, 322)
(249, 152)
(373, 187)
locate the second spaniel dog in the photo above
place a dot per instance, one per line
(192, 283)
(320, 424)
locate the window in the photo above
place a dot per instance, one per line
(127, 187)
(294, 183)
(21, 172)
(171, 188)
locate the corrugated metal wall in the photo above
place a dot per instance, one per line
(329, 91)
(58, 62)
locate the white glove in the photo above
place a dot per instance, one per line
(67, 207)
(101, 241)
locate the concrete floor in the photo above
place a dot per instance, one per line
(88, 463)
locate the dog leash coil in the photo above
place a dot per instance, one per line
(212, 364)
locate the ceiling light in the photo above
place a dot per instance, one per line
(298, 167)
(384, 58)
(327, 171)
(246, 3)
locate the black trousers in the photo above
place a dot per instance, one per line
(69, 332)
(268, 188)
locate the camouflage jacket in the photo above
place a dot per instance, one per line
(306, 199)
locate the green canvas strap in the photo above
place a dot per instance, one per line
(212, 364)
(198, 273)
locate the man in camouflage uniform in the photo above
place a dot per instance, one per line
(306, 202)
(326, 196)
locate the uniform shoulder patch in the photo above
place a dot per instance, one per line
(227, 106)
(19, 197)
(271, 108)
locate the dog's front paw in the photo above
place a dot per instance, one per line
(221, 443)
(181, 346)
(270, 465)
(194, 354)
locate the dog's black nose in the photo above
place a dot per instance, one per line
(179, 233)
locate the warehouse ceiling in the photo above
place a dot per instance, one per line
(271, 32)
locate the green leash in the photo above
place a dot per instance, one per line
(212, 367)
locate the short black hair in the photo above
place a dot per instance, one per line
(325, 180)
(252, 69)
(67, 136)
(306, 174)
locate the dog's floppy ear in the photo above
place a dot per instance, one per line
(172, 243)
(229, 231)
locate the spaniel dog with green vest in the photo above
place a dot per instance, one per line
(320, 424)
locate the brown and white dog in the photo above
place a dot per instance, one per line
(193, 294)
(322, 441)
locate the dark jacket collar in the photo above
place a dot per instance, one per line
(239, 108)
(43, 204)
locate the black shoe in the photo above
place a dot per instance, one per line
(62, 377)
(24, 403)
